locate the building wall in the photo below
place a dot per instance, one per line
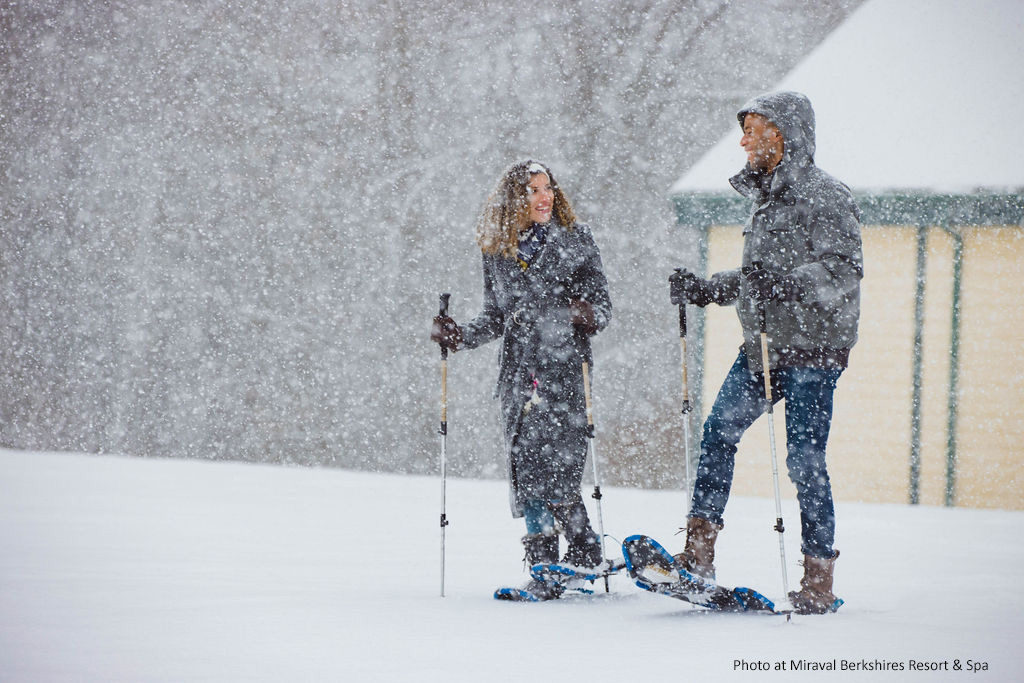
(870, 444)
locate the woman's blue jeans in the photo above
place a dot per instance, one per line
(808, 393)
(539, 519)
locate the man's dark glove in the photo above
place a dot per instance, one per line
(582, 315)
(687, 288)
(766, 285)
(446, 332)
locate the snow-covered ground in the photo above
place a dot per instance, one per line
(127, 569)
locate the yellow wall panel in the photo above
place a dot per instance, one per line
(990, 428)
(869, 452)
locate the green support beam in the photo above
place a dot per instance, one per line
(917, 370)
(954, 368)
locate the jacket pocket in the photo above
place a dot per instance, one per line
(784, 245)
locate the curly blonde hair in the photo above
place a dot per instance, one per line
(506, 213)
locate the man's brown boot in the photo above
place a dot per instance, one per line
(698, 556)
(815, 595)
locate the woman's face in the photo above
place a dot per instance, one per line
(541, 197)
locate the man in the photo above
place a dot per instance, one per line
(802, 262)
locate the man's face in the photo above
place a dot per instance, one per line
(762, 142)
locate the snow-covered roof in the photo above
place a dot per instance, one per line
(908, 94)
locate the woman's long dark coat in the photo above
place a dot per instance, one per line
(540, 376)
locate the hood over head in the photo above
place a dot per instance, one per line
(793, 114)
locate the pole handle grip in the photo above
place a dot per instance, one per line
(682, 313)
(443, 311)
(586, 397)
(762, 318)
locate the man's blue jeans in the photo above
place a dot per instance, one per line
(808, 393)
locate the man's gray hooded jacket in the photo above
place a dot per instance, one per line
(804, 224)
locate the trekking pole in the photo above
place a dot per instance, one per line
(593, 461)
(766, 365)
(687, 407)
(444, 434)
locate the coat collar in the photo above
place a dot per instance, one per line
(550, 249)
(548, 265)
(758, 187)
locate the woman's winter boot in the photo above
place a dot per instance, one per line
(698, 556)
(584, 548)
(815, 595)
(541, 549)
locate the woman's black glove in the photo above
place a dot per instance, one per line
(582, 315)
(446, 332)
(687, 288)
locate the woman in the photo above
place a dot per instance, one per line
(545, 295)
